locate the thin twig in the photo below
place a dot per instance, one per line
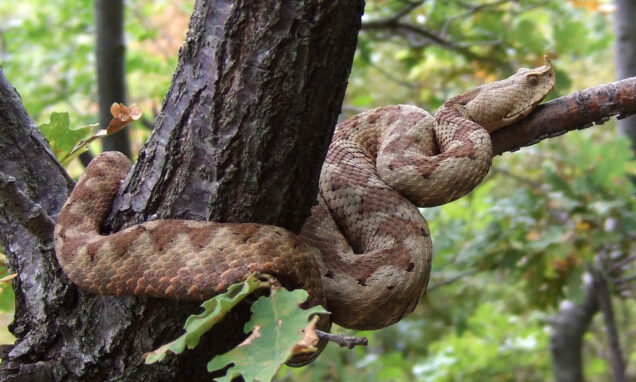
(408, 29)
(452, 279)
(625, 280)
(342, 340)
(472, 9)
(619, 265)
(518, 178)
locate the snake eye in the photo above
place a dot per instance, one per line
(533, 80)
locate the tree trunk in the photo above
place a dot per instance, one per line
(241, 137)
(625, 30)
(566, 340)
(111, 68)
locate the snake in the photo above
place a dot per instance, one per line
(365, 251)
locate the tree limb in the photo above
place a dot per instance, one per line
(342, 340)
(409, 30)
(27, 213)
(575, 111)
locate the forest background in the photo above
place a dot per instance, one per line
(511, 259)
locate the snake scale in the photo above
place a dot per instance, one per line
(364, 253)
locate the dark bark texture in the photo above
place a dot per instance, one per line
(241, 137)
(265, 81)
(111, 68)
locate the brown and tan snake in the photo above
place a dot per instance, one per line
(365, 252)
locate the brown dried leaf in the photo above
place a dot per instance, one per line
(122, 116)
(310, 339)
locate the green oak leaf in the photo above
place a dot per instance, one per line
(61, 136)
(278, 324)
(214, 310)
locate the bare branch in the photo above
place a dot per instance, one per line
(392, 77)
(518, 178)
(409, 30)
(625, 280)
(472, 9)
(29, 214)
(619, 265)
(410, 6)
(451, 280)
(571, 112)
(342, 340)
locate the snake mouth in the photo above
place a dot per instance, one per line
(519, 113)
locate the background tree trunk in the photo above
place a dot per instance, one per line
(625, 30)
(566, 339)
(241, 137)
(111, 68)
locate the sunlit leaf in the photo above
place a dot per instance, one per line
(277, 325)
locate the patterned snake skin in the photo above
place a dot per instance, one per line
(365, 252)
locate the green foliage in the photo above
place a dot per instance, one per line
(6, 292)
(62, 137)
(278, 330)
(463, 44)
(276, 326)
(214, 310)
(492, 341)
(7, 299)
(47, 51)
(48, 54)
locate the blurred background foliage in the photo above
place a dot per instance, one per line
(506, 256)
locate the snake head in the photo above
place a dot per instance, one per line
(504, 102)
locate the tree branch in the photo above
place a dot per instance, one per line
(342, 340)
(409, 30)
(451, 280)
(27, 213)
(575, 111)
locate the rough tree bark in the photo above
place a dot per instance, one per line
(241, 136)
(243, 128)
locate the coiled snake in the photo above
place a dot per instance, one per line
(365, 252)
